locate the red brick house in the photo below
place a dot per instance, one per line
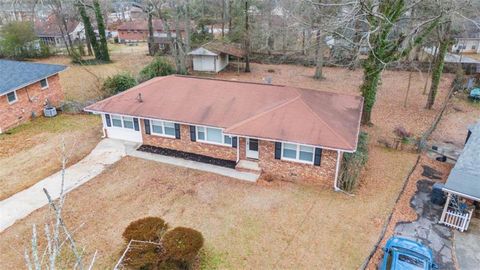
(138, 30)
(292, 133)
(25, 89)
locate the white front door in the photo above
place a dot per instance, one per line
(252, 148)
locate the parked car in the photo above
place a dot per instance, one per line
(405, 254)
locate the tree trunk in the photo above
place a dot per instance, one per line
(151, 51)
(319, 58)
(223, 18)
(90, 34)
(101, 31)
(247, 40)
(371, 76)
(437, 73)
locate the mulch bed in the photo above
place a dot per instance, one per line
(188, 156)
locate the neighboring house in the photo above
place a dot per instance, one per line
(137, 30)
(463, 184)
(25, 89)
(287, 132)
(214, 56)
(49, 31)
(466, 45)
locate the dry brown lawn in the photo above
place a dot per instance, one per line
(246, 226)
(83, 82)
(452, 129)
(31, 151)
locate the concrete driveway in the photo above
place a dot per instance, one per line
(23, 203)
(426, 229)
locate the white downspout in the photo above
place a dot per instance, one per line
(337, 169)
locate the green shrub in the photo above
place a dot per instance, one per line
(118, 83)
(353, 163)
(158, 67)
(146, 229)
(182, 244)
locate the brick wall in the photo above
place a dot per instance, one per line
(323, 175)
(185, 144)
(29, 99)
(133, 35)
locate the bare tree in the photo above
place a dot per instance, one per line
(57, 234)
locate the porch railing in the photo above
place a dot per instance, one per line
(457, 219)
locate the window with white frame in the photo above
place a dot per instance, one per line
(12, 97)
(117, 121)
(212, 135)
(44, 83)
(128, 122)
(163, 128)
(297, 152)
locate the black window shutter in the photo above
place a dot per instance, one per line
(234, 142)
(177, 131)
(278, 150)
(318, 157)
(147, 126)
(135, 124)
(107, 118)
(193, 134)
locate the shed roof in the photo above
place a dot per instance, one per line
(18, 74)
(217, 47)
(464, 179)
(266, 111)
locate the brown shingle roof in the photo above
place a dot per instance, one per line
(273, 112)
(49, 27)
(138, 25)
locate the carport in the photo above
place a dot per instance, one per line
(463, 184)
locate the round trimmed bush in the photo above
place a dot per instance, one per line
(146, 229)
(143, 256)
(182, 244)
(118, 83)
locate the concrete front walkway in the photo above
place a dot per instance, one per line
(246, 176)
(25, 202)
(467, 246)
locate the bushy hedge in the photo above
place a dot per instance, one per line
(174, 249)
(146, 229)
(118, 83)
(182, 244)
(352, 164)
(158, 67)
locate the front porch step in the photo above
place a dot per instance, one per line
(248, 166)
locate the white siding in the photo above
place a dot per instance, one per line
(222, 62)
(123, 133)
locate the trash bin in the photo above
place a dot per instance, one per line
(438, 196)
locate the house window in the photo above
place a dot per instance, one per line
(128, 122)
(297, 152)
(117, 121)
(163, 128)
(473, 47)
(44, 83)
(12, 97)
(212, 135)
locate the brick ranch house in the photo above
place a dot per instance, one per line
(25, 89)
(291, 133)
(137, 30)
